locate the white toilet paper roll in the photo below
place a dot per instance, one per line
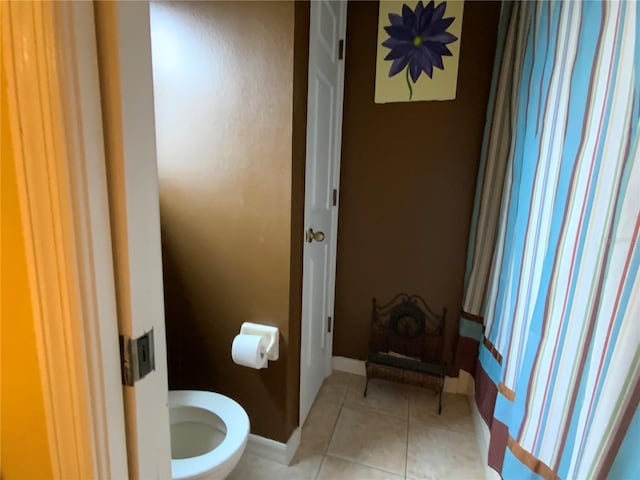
(249, 351)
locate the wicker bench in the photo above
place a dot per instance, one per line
(406, 343)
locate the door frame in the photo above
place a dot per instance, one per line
(335, 168)
(336, 178)
(56, 130)
(123, 37)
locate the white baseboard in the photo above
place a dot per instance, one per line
(482, 437)
(466, 384)
(271, 450)
(451, 384)
(349, 365)
(352, 365)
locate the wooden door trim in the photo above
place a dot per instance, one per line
(49, 51)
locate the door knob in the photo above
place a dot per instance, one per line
(317, 236)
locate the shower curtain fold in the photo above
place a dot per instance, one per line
(496, 150)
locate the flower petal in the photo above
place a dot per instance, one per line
(395, 19)
(414, 70)
(425, 19)
(399, 51)
(428, 69)
(408, 17)
(427, 59)
(443, 37)
(438, 12)
(430, 6)
(443, 24)
(437, 47)
(418, 11)
(398, 65)
(437, 61)
(394, 42)
(399, 32)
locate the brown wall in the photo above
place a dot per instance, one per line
(407, 181)
(223, 75)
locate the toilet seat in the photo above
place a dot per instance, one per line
(236, 423)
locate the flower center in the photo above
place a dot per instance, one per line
(417, 41)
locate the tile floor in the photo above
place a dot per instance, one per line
(393, 433)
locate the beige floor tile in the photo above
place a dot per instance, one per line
(438, 454)
(318, 427)
(335, 387)
(382, 396)
(252, 467)
(456, 412)
(371, 439)
(337, 469)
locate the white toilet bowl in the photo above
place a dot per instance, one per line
(209, 433)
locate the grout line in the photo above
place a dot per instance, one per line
(367, 465)
(335, 423)
(346, 392)
(372, 467)
(364, 409)
(320, 467)
(333, 431)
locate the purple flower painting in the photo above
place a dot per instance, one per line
(418, 40)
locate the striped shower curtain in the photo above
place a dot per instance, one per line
(550, 326)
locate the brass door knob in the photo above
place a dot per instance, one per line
(317, 236)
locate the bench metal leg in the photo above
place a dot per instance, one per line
(366, 376)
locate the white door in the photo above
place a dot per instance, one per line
(124, 54)
(324, 130)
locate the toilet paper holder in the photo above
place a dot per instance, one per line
(271, 334)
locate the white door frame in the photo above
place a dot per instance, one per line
(126, 77)
(56, 128)
(337, 157)
(335, 168)
(336, 178)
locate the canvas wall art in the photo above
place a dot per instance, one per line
(418, 50)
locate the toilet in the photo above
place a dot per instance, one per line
(209, 433)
